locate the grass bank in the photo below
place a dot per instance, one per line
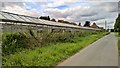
(119, 46)
(16, 42)
(49, 55)
(116, 34)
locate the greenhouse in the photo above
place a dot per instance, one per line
(16, 22)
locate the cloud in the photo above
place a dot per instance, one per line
(73, 11)
(19, 8)
(108, 6)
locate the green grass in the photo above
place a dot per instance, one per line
(49, 55)
(116, 34)
(119, 46)
(0, 36)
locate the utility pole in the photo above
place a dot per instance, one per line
(105, 24)
(2, 5)
(109, 29)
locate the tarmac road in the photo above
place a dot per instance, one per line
(103, 52)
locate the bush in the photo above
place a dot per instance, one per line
(119, 46)
(14, 42)
(50, 55)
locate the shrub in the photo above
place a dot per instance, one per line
(119, 46)
(49, 55)
(14, 42)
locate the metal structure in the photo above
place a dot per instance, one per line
(16, 20)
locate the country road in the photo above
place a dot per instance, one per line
(103, 52)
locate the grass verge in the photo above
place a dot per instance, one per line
(49, 55)
(116, 34)
(119, 46)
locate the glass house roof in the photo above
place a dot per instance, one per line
(27, 19)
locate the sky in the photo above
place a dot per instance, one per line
(73, 11)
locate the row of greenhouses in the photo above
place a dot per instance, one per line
(15, 22)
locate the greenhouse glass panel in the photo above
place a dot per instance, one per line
(41, 21)
(31, 19)
(2, 17)
(37, 21)
(46, 22)
(27, 20)
(17, 17)
(8, 16)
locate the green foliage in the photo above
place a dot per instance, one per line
(116, 34)
(87, 24)
(119, 46)
(14, 42)
(117, 24)
(50, 55)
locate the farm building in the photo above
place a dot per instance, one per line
(95, 26)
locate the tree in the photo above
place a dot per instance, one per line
(66, 22)
(87, 24)
(79, 24)
(61, 21)
(45, 18)
(53, 20)
(117, 24)
(73, 23)
(112, 30)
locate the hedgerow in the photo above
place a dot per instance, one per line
(49, 55)
(15, 42)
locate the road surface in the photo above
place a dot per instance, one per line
(103, 52)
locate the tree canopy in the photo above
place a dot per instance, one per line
(117, 24)
(53, 20)
(87, 24)
(45, 18)
(79, 24)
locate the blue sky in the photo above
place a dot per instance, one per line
(31, 5)
(61, 7)
(73, 11)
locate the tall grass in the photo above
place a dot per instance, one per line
(15, 42)
(116, 34)
(119, 46)
(52, 54)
